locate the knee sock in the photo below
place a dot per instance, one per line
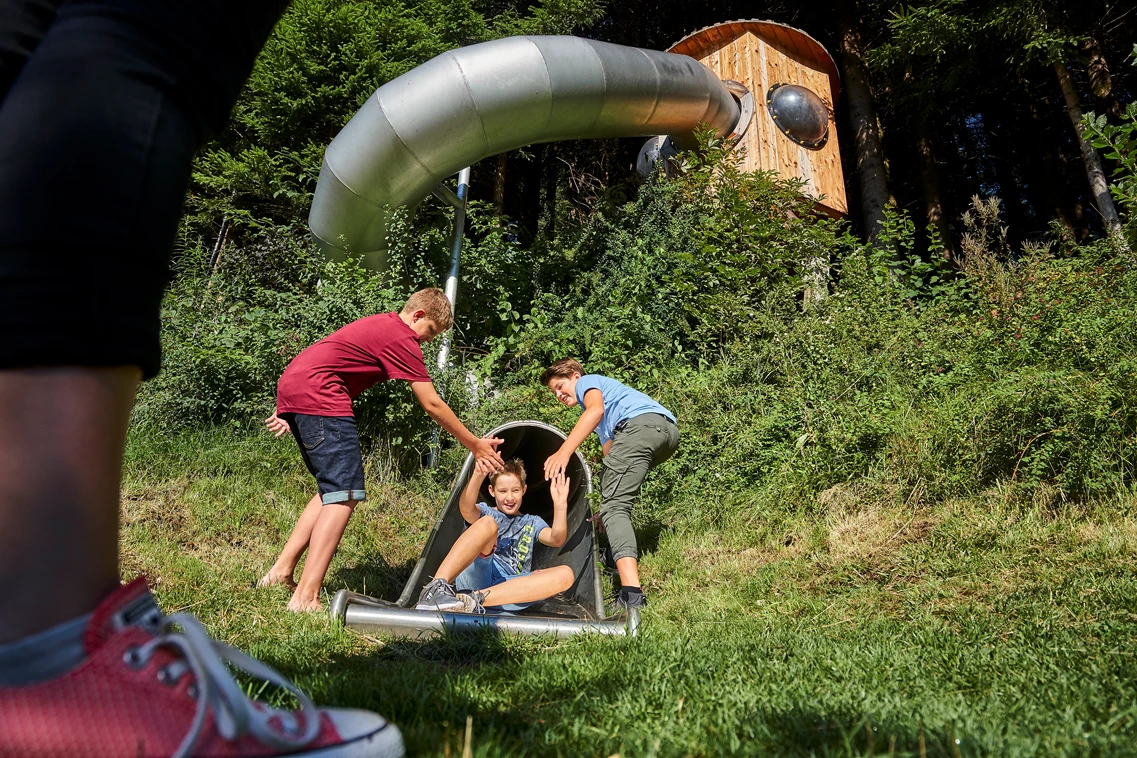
(44, 655)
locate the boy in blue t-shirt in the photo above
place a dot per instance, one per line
(636, 433)
(491, 561)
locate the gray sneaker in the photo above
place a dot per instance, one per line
(439, 596)
(472, 602)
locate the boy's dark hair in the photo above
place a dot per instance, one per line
(513, 467)
(436, 305)
(564, 368)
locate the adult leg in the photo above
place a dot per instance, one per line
(284, 570)
(326, 535)
(96, 139)
(62, 432)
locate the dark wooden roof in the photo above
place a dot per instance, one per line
(794, 41)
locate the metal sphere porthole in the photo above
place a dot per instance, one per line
(800, 114)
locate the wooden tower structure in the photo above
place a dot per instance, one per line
(765, 56)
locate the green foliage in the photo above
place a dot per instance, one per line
(692, 264)
(321, 63)
(1010, 369)
(1118, 143)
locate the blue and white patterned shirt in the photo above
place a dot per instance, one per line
(516, 537)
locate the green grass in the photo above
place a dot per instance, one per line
(865, 621)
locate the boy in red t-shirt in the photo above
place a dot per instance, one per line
(313, 401)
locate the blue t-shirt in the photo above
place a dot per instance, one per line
(620, 402)
(515, 537)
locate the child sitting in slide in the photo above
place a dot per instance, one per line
(490, 562)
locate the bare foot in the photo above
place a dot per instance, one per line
(296, 605)
(270, 579)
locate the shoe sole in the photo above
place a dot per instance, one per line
(456, 605)
(384, 743)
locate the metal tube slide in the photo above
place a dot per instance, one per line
(485, 99)
(405, 622)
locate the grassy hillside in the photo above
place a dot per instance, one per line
(863, 623)
(902, 519)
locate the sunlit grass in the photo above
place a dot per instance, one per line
(860, 622)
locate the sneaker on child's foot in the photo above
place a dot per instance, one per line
(148, 690)
(472, 602)
(631, 597)
(438, 596)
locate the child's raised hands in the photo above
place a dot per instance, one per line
(483, 467)
(559, 489)
(485, 453)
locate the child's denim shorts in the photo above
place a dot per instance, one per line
(330, 448)
(487, 572)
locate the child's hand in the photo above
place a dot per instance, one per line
(557, 463)
(483, 468)
(277, 425)
(559, 489)
(485, 452)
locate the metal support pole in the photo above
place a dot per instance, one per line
(451, 288)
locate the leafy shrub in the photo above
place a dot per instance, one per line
(1012, 369)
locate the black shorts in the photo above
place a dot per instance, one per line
(330, 448)
(102, 107)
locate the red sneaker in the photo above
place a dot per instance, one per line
(148, 691)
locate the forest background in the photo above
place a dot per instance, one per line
(903, 516)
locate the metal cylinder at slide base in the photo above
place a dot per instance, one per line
(485, 99)
(404, 622)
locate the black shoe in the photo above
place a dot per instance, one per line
(631, 597)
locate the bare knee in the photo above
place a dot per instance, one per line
(486, 528)
(564, 577)
(487, 524)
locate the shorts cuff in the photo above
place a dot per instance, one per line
(620, 555)
(343, 496)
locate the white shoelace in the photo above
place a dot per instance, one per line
(233, 712)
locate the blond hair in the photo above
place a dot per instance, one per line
(434, 303)
(562, 369)
(513, 467)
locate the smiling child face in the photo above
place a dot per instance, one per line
(565, 388)
(507, 492)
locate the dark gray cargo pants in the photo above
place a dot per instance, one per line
(643, 443)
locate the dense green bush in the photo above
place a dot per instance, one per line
(1011, 368)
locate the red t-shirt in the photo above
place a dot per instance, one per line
(323, 379)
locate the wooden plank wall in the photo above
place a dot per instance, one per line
(759, 63)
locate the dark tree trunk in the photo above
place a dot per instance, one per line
(549, 183)
(1046, 167)
(525, 199)
(872, 174)
(1101, 83)
(499, 186)
(1098, 185)
(933, 190)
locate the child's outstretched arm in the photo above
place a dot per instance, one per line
(483, 448)
(555, 535)
(468, 502)
(588, 421)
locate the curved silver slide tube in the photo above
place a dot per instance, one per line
(477, 101)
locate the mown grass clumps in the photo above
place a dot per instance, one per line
(901, 520)
(865, 624)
